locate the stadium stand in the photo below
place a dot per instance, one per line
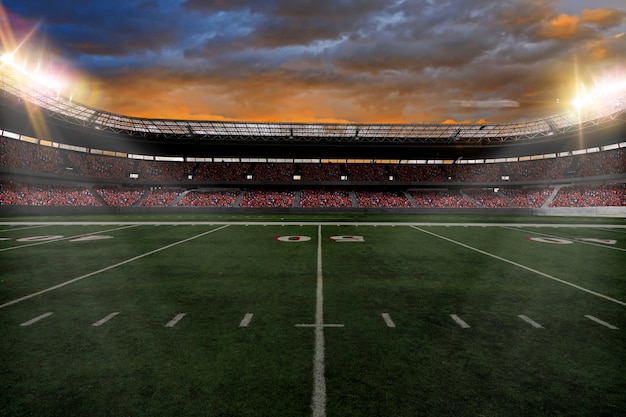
(591, 196)
(485, 198)
(522, 184)
(440, 199)
(160, 198)
(37, 158)
(382, 199)
(265, 198)
(208, 199)
(532, 197)
(325, 198)
(116, 197)
(13, 193)
(225, 171)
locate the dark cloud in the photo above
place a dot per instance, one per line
(111, 28)
(333, 60)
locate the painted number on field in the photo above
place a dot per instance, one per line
(44, 238)
(559, 241)
(292, 239)
(347, 239)
(47, 238)
(552, 240)
(602, 241)
(91, 238)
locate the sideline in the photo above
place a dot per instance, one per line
(314, 223)
(543, 274)
(71, 281)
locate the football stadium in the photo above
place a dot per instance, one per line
(178, 267)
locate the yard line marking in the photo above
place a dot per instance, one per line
(543, 274)
(105, 319)
(246, 320)
(573, 239)
(459, 321)
(71, 281)
(36, 319)
(388, 320)
(530, 321)
(319, 382)
(602, 322)
(175, 320)
(65, 238)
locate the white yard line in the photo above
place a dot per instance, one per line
(175, 320)
(105, 319)
(65, 238)
(459, 321)
(71, 281)
(319, 382)
(388, 320)
(530, 321)
(318, 400)
(245, 322)
(562, 281)
(602, 322)
(36, 319)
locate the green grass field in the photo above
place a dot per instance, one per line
(216, 316)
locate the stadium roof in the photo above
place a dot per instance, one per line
(21, 85)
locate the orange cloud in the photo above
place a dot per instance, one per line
(457, 122)
(561, 27)
(603, 17)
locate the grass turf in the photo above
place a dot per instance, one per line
(208, 365)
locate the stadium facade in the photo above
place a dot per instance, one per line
(34, 114)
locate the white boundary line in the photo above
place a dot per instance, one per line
(602, 322)
(66, 238)
(562, 281)
(71, 281)
(36, 319)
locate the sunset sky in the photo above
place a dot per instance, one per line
(365, 61)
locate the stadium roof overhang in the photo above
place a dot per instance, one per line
(80, 125)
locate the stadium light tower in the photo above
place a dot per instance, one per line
(605, 94)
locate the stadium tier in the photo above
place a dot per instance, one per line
(54, 152)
